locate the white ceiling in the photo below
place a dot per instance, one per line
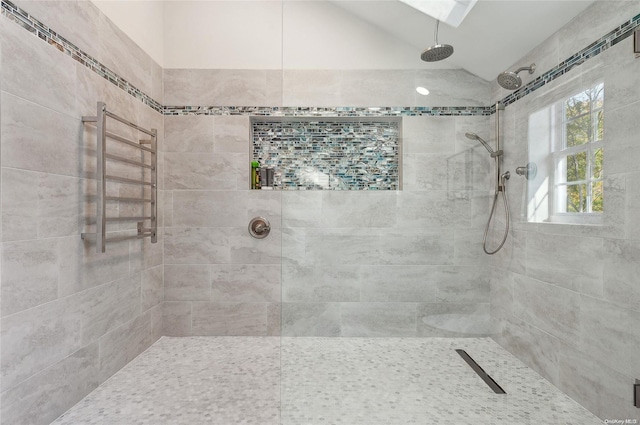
(493, 36)
(340, 34)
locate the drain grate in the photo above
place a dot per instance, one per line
(481, 373)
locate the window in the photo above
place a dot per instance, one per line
(578, 154)
(566, 142)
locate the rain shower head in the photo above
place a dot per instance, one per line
(437, 52)
(511, 80)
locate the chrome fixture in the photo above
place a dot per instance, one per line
(529, 171)
(511, 80)
(501, 182)
(474, 136)
(259, 227)
(437, 52)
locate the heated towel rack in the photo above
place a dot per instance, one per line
(146, 145)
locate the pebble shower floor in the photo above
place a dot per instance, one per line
(300, 381)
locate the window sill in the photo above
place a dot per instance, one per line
(593, 219)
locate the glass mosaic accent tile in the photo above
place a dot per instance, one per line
(344, 111)
(329, 154)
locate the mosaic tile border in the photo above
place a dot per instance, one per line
(292, 111)
(49, 36)
(603, 43)
(46, 34)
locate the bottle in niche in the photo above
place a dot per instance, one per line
(255, 175)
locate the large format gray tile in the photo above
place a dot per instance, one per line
(187, 282)
(37, 138)
(569, 261)
(30, 274)
(311, 319)
(551, 308)
(230, 319)
(245, 282)
(42, 398)
(379, 319)
(453, 320)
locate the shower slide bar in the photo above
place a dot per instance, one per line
(103, 136)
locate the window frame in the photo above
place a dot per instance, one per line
(560, 152)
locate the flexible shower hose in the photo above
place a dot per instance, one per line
(503, 190)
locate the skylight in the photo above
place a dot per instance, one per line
(451, 12)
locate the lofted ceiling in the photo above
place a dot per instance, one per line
(493, 36)
(339, 34)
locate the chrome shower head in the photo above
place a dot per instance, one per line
(474, 136)
(511, 80)
(437, 52)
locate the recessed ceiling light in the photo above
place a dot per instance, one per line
(423, 91)
(452, 12)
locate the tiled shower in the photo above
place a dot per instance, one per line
(563, 299)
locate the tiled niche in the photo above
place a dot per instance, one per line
(329, 153)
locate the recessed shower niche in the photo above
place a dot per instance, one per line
(329, 153)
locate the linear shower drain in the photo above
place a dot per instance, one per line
(481, 373)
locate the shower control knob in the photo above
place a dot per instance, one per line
(259, 227)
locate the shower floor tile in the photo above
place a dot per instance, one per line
(296, 381)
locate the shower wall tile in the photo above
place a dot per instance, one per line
(428, 135)
(302, 209)
(434, 209)
(29, 67)
(19, 204)
(81, 267)
(454, 87)
(358, 209)
(192, 133)
(246, 283)
(534, 346)
(621, 269)
(592, 383)
(399, 283)
(321, 283)
(54, 390)
(462, 284)
(311, 319)
(231, 133)
(188, 170)
(196, 245)
(571, 262)
(407, 247)
(467, 247)
(248, 250)
(311, 87)
(240, 319)
(604, 325)
(379, 319)
(621, 76)
(69, 296)
(221, 87)
(187, 282)
(632, 206)
(123, 344)
(37, 138)
(75, 20)
(152, 288)
(40, 337)
(622, 150)
(176, 318)
(453, 320)
(392, 88)
(551, 308)
(29, 274)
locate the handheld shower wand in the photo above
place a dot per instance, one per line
(501, 183)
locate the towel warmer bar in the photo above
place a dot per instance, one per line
(103, 135)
